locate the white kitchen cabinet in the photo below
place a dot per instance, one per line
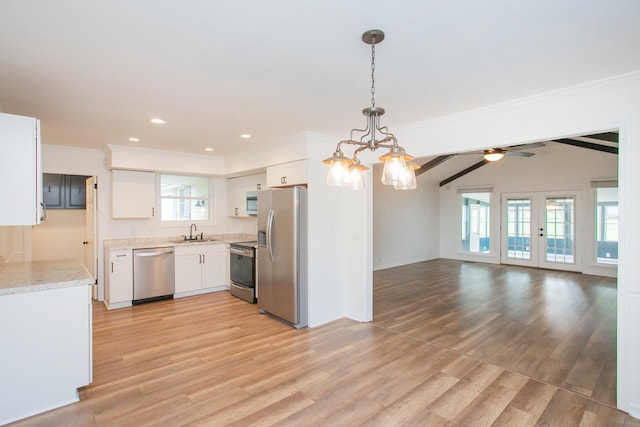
(237, 196)
(20, 170)
(256, 182)
(237, 189)
(287, 174)
(200, 268)
(46, 349)
(133, 194)
(118, 278)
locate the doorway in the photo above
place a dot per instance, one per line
(70, 227)
(541, 229)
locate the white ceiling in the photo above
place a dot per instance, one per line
(95, 72)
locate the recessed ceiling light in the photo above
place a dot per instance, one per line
(133, 139)
(208, 149)
(245, 136)
(158, 121)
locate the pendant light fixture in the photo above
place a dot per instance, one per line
(349, 172)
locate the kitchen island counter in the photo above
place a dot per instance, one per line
(21, 277)
(45, 330)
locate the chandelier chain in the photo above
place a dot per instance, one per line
(373, 77)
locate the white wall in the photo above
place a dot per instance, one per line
(405, 223)
(60, 236)
(555, 167)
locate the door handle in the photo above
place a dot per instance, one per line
(270, 236)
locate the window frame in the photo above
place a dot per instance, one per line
(483, 224)
(209, 200)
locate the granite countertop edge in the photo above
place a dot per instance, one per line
(163, 242)
(35, 276)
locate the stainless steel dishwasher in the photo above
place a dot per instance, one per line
(153, 274)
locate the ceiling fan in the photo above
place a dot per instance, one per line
(495, 154)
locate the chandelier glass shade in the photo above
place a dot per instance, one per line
(397, 171)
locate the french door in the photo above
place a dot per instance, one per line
(541, 229)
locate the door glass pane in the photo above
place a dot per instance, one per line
(560, 226)
(607, 225)
(519, 228)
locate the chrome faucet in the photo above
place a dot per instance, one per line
(192, 228)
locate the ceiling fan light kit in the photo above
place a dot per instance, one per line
(493, 155)
(349, 172)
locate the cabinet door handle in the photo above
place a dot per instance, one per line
(112, 267)
(236, 211)
(153, 211)
(203, 259)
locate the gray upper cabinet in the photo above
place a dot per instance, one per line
(76, 192)
(63, 191)
(52, 194)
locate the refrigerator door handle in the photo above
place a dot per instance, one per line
(270, 235)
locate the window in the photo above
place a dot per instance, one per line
(184, 198)
(475, 222)
(607, 225)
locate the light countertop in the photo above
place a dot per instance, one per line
(161, 242)
(21, 277)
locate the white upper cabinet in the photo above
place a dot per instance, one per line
(256, 182)
(287, 174)
(133, 194)
(237, 189)
(20, 170)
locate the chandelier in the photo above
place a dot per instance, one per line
(398, 170)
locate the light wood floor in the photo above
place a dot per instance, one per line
(214, 360)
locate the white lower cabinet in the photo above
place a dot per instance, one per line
(118, 278)
(200, 268)
(46, 350)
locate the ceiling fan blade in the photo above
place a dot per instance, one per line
(525, 146)
(518, 154)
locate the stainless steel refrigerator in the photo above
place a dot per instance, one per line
(282, 254)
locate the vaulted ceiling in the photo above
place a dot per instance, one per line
(449, 167)
(96, 72)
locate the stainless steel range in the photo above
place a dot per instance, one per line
(243, 270)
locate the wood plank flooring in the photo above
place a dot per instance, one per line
(557, 327)
(213, 360)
